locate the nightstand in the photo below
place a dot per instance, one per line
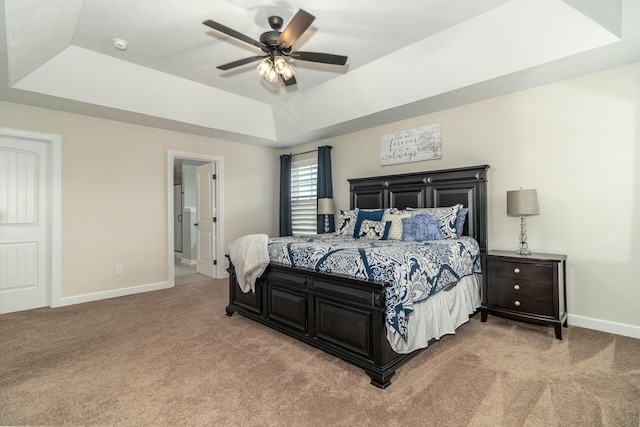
(528, 288)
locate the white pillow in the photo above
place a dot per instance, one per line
(395, 231)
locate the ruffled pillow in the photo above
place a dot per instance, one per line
(421, 227)
(448, 216)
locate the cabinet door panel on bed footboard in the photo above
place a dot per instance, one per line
(288, 307)
(251, 301)
(343, 326)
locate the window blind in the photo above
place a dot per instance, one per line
(304, 195)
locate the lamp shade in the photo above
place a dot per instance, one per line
(325, 207)
(522, 202)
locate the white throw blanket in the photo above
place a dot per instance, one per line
(250, 257)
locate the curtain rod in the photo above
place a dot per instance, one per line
(307, 152)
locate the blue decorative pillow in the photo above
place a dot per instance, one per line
(421, 227)
(448, 217)
(462, 215)
(347, 222)
(376, 230)
(370, 214)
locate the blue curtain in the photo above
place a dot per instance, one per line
(286, 228)
(325, 186)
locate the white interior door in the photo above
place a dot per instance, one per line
(24, 229)
(206, 217)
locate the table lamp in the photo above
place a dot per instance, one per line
(522, 203)
(325, 207)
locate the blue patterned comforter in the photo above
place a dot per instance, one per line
(414, 270)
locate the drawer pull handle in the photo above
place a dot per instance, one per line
(516, 270)
(516, 287)
(517, 303)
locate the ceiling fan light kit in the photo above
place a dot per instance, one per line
(277, 45)
(272, 76)
(282, 68)
(264, 67)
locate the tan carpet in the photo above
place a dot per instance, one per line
(172, 357)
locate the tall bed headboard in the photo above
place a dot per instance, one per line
(429, 189)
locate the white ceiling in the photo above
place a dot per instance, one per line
(406, 58)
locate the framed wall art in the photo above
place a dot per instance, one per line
(413, 145)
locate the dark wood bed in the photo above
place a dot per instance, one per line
(345, 316)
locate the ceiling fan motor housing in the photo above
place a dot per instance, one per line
(270, 38)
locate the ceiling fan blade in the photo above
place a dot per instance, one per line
(233, 33)
(291, 81)
(294, 29)
(325, 58)
(239, 62)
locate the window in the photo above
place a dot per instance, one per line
(304, 197)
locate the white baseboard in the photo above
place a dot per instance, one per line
(189, 261)
(96, 296)
(624, 329)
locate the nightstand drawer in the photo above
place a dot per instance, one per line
(520, 303)
(514, 269)
(519, 287)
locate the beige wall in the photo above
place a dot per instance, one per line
(114, 195)
(574, 141)
(577, 142)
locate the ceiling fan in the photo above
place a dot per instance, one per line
(277, 45)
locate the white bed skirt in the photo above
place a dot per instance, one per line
(439, 315)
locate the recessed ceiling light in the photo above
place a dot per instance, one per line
(120, 44)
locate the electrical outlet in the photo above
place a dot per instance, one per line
(119, 269)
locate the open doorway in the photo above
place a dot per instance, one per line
(194, 254)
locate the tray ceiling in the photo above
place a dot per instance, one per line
(405, 58)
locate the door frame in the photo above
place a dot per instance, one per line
(220, 247)
(54, 211)
(177, 221)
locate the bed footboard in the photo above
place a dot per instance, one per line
(340, 315)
